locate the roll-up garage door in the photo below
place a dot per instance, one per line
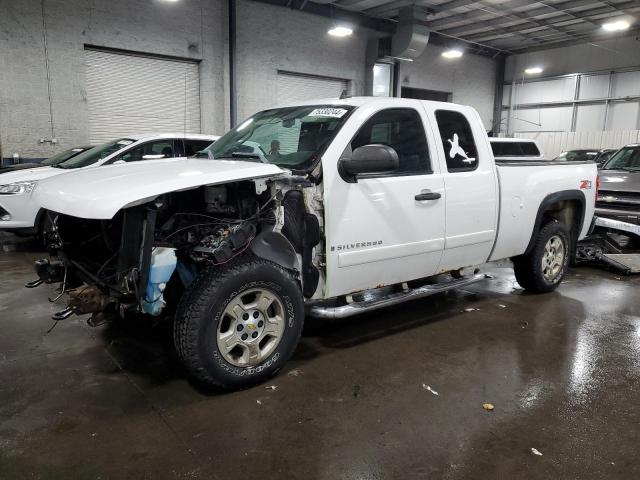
(131, 94)
(296, 88)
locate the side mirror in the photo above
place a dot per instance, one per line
(374, 158)
(153, 156)
(118, 162)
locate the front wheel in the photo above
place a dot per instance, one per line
(542, 269)
(237, 326)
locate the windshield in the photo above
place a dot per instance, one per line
(61, 157)
(292, 137)
(577, 155)
(95, 154)
(627, 158)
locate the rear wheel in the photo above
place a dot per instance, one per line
(238, 326)
(542, 269)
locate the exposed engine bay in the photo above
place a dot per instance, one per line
(142, 260)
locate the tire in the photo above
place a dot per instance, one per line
(205, 322)
(528, 268)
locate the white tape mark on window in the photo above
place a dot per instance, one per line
(328, 112)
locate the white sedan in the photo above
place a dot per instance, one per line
(18, 211)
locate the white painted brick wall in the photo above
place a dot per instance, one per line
(148, 26)
(470, 79)
(269, 39)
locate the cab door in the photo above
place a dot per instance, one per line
(385, 228)
(470, 179)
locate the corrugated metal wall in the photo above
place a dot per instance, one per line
(587, 102)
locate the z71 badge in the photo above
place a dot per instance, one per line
(353, 246)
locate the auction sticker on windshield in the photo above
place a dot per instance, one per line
(328, 112)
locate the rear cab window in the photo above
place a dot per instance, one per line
(457, 141)
(514, 149)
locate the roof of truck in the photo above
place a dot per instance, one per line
(360, 101)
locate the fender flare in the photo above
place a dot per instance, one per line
(275, 247)
(549, 200)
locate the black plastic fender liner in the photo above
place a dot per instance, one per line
(549, 200)
(310, 274)
(277, 248)
(293, 227)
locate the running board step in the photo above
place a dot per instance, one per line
(357, 308)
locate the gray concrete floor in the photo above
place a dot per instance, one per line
(563, 371)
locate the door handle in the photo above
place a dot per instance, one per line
(428, 196)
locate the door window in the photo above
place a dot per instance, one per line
(194, 146)
(158, 147)
(402, 130)
(457, 141)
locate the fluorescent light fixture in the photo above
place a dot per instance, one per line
(533, 70)
(340, 31)
(615, 26)
(454, 53)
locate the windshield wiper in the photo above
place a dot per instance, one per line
(245, 155)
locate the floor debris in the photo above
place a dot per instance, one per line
(295, 372)
(502, 306)
(427, 387)
(536, 452)
(471, 309)
(258, 402)
(271, 387)
(488, 406)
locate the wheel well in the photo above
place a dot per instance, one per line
(566, 212)
(568, 208)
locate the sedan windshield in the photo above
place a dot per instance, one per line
(62, 157)
(627, 158)
(95, 154)
(292, 137)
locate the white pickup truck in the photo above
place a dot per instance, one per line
(346, 206)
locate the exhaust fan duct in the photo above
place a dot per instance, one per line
(411, 38)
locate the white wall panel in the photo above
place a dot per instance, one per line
(590, 118)
(594, 86)
(555, 119)
(623, 116)
(561, 89)
(626, 84)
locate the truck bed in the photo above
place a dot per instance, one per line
(538, 163)
(524, 189)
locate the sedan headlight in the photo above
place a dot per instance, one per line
(17, 188)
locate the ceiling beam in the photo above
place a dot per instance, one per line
(588, 39)
(442, 24)
(519, 27)
(509, 16)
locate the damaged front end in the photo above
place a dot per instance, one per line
(143, 259)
